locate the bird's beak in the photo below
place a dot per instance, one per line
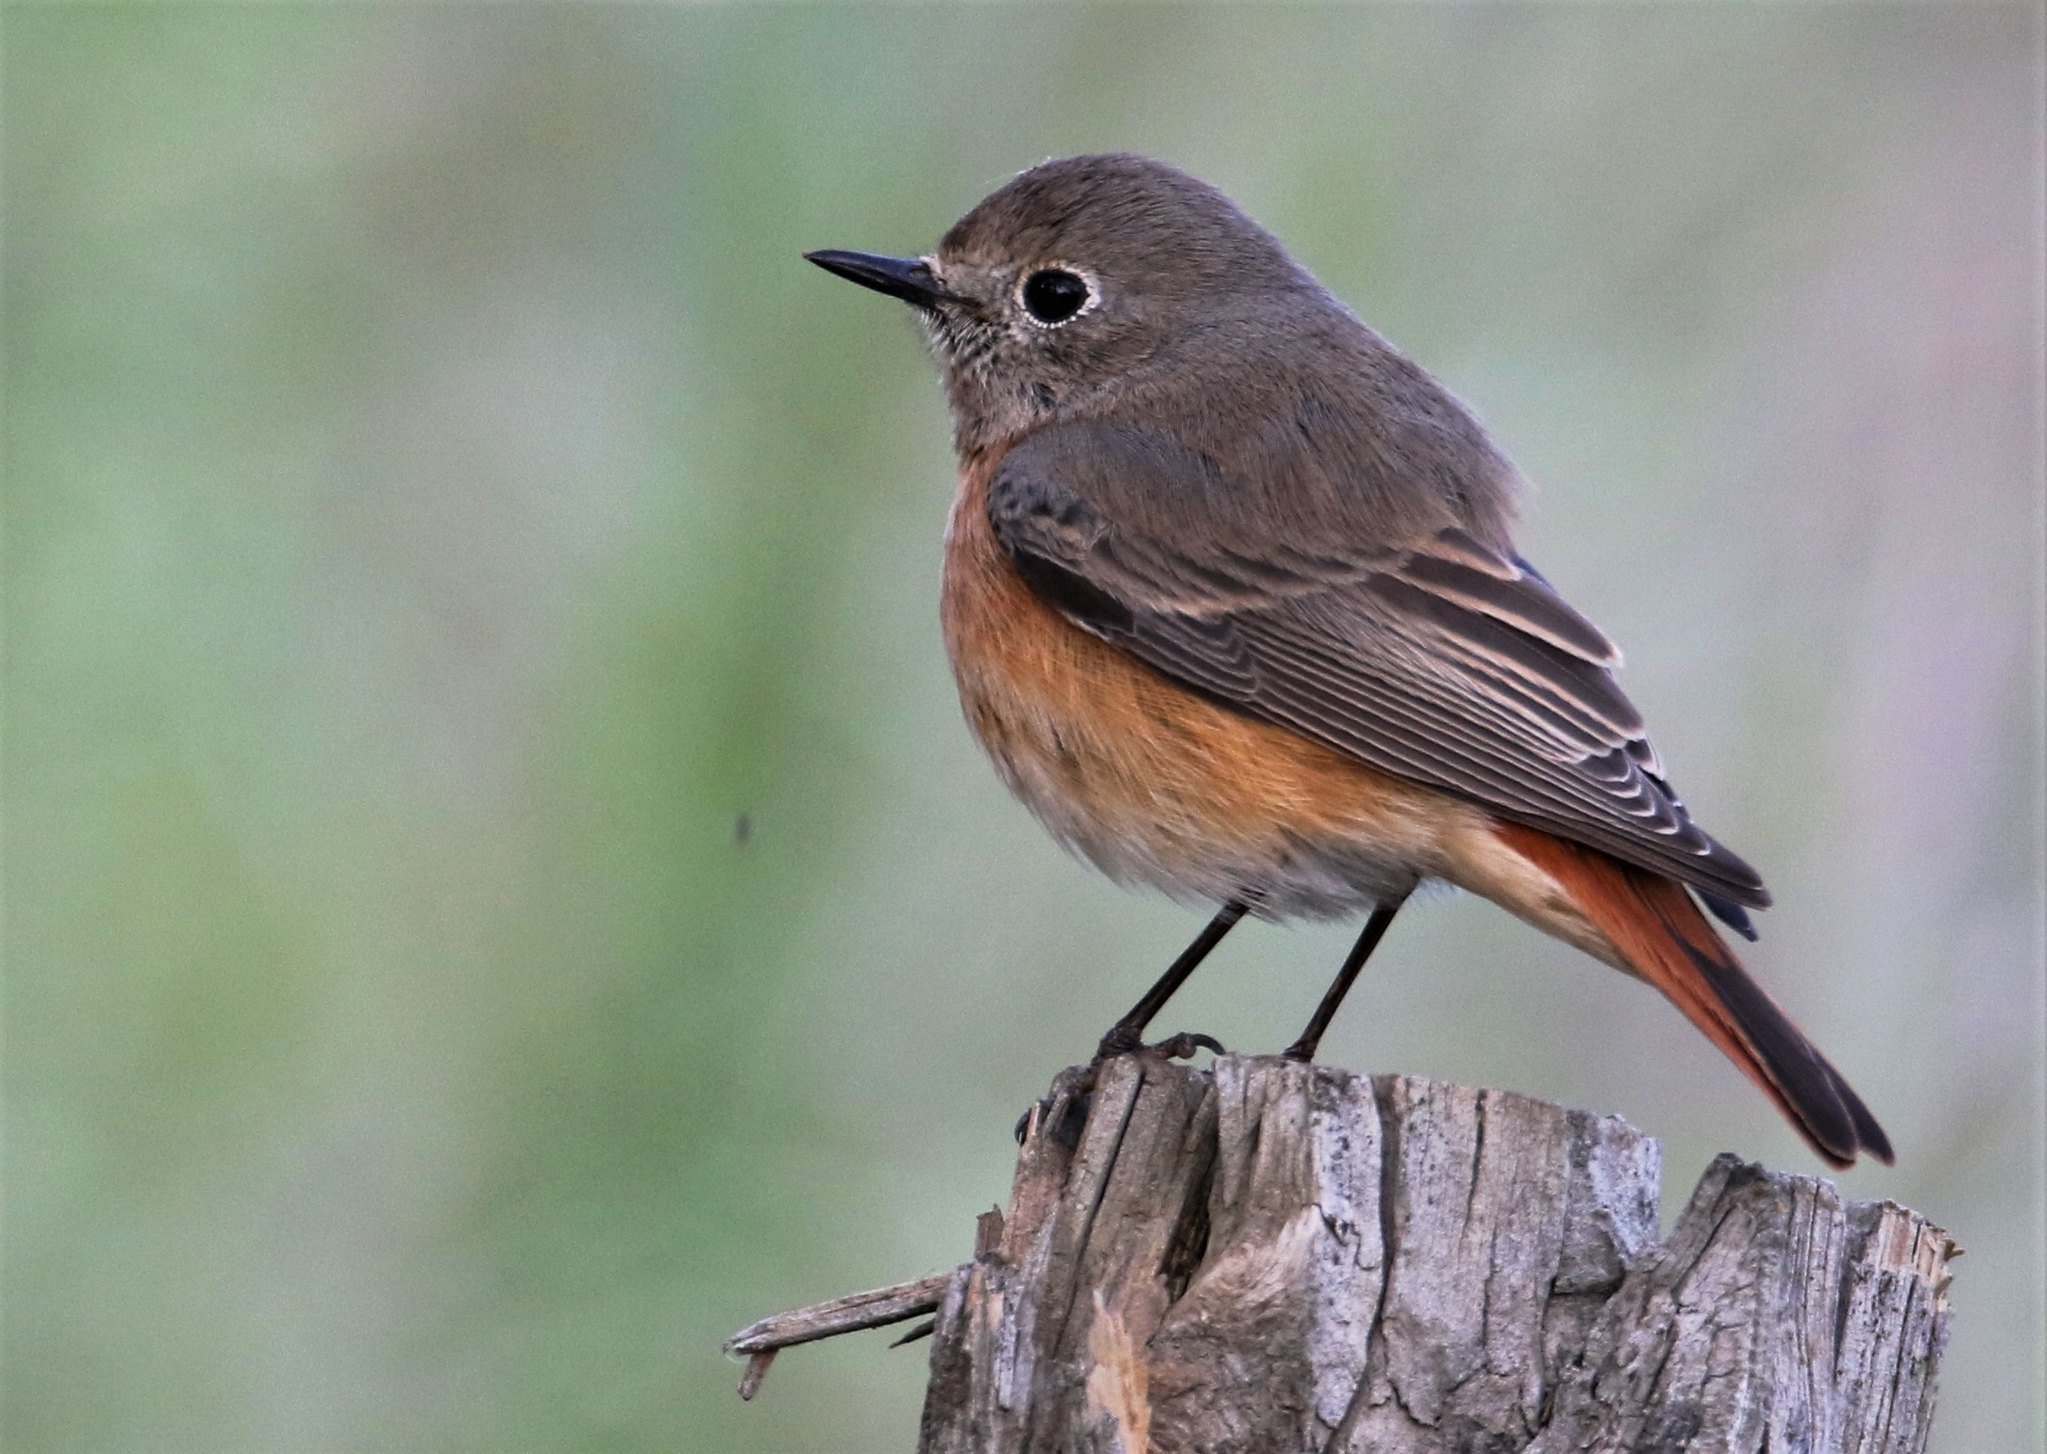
(907, 278)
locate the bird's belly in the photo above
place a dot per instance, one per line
(1155, 785)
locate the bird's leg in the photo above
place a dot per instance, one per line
(1127, 1034)
(1303, 1048)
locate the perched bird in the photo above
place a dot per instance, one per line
(1232, 603)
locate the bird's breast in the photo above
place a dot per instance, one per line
(1148, 781)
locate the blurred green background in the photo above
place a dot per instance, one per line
(441, 507)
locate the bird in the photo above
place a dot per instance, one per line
(1232, 604)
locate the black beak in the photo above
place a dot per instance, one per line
(899, 277)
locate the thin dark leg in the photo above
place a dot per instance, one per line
(1375, 930)
(1127, 1034)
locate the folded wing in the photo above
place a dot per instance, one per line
(1443, 661)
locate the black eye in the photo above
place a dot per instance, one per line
(1054, 295)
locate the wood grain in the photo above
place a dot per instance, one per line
(1275, 1257)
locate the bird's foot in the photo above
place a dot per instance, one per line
(1182, 1046)
(1064, 1111)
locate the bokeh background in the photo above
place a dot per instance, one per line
(497, 892)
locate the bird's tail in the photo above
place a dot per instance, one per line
(1654, 925)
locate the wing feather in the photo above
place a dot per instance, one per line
(1446, 662)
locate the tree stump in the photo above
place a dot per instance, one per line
(1270, 1257)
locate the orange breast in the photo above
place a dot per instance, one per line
(1151, 782)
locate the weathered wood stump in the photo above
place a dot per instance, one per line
(1269, 1256)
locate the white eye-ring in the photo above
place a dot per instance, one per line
(1055, 294)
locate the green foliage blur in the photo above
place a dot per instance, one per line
(497, 894)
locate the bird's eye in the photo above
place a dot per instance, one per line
(1054, 295)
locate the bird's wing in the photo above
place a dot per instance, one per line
(1440, 661)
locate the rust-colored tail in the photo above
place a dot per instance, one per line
(1660, 932)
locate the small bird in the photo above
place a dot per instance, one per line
(1233, 606)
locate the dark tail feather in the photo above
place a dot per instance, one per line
(1662, 935)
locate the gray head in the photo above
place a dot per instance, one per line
(1116, 289)
(1065, 283)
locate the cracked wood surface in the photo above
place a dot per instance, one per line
(1269, 1256)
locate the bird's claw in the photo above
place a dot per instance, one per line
(1174, 1047)
(1067, 1128)
(1073, 1098)
(1183, 1045)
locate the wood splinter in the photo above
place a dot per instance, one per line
(759, 1342)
